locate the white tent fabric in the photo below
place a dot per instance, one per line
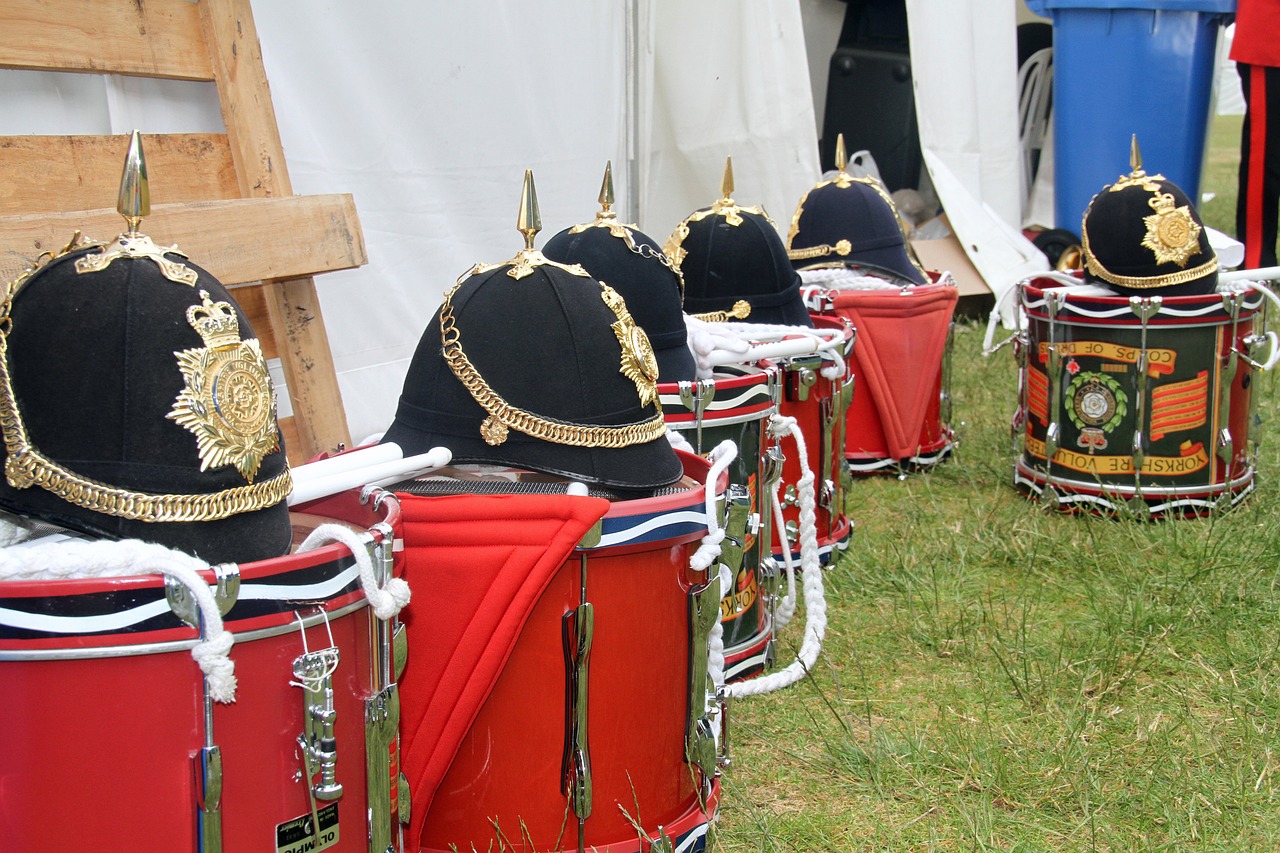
(966, 103)
(429, 114)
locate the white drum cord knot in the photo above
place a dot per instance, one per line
(388, 600)
(66, 558)
(811, 577)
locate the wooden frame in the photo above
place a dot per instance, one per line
(212, 194)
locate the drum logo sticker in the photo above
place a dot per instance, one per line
(299, 836)
(1096, 404)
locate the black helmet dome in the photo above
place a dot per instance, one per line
(633, 264)
(1142, 236)
(735, 264)
(537, 365)
(135, 401)
(851, 221)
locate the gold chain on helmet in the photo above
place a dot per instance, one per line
(503, 416)
(26, 466)
(741, 310)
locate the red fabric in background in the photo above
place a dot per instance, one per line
(477, 564)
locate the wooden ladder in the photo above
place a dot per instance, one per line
(223, 198)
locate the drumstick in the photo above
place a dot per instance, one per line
(1260, 274)
(382, 474)
(363, 457)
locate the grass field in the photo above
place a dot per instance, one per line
(1000, 677)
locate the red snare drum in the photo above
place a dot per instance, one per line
(736, 404)
(820, 407)
(550, 682)
(1141, 402)
(900, 418)
(107, 738)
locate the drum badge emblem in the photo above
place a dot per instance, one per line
(639, 364)
(1096, 404)
(227, 403)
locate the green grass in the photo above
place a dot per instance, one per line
(1001, 677)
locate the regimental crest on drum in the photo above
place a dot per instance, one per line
(227, 403)
(1096, 404)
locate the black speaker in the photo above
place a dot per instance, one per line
(870, 100)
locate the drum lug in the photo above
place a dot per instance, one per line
(226, 590)
(1053, 302)
(578, 631)
(827, 495)
(662, 844)
(387, 808)
(799, 381)
(700, 743)
(1144, 308)
(735, 530)
(399, 650)
(1231, 302)
(790, 497)
(793, 531)
(207, 764)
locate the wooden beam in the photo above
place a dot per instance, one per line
(238, 241)
(158, 38)
(250, 119)
(56, 173)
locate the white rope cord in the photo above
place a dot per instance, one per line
(844, 278)
(709, 552)
(387, 601)
(77, 558)
(832, 340)
(787, 606)
(811, 575)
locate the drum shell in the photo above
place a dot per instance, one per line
(101, 728)
(820, 410)
(506, 777)
(900, 414)
(741, 400)
(1188, 399)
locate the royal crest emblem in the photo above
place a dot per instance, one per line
(1096, 403)
(1172, 233)
(227, 403)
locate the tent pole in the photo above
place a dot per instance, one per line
(632, 124)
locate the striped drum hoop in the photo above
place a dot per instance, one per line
(735, 404)
(557, 691)
(1141, 404)
(111, 739)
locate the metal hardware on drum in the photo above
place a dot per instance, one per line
(1053, 301)
(389, 652)
(700, 743)
(1231, 302)
(1145, 308)
(732, 550)
(225, 593)
(578, 632)
(208, 778)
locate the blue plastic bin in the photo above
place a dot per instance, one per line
(1126, 67)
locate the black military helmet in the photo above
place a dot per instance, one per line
(633, 264)
(851, 222)
(135, 402)
(1142, 236)
(735, 264)
(537, 365)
